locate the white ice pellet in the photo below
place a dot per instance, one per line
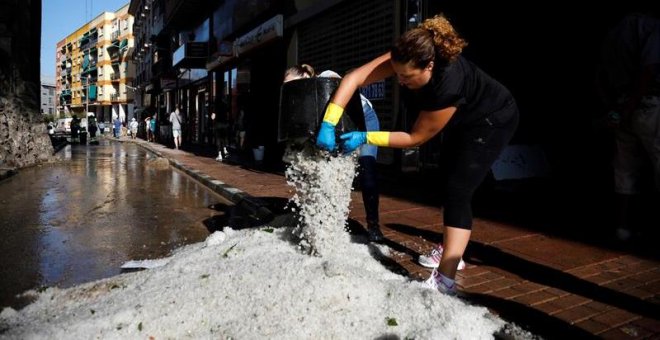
(323, 186)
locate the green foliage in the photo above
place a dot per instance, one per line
(391, 322)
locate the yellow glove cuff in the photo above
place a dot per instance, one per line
(333, 113)
(379, 138)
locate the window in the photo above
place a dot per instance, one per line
(51, 92)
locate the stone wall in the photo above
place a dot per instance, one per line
(23, 137)
(24, 140)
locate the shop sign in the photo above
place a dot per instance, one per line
(190, 55)
(269, 30)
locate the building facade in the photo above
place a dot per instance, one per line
(93, 72)
(230, 57)
(48, 98)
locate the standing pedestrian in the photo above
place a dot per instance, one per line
(147, 128)
(450, 94)
(175, 119)
(133, 127)
(220, 131)
(101, 127)
(152, 127)
(116, 127)
(629, 81)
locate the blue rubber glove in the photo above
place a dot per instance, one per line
(353, 140)
(326, 137)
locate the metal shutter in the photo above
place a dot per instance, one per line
(348, 35)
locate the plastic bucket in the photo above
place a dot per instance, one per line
(258, 153)
(302, 107)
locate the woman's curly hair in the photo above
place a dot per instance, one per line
(434, 37)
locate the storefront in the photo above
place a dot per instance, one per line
(248, 79)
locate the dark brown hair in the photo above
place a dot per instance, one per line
(433, 38)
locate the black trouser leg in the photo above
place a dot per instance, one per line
(369, 184)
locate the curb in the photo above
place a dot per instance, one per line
(257, 209)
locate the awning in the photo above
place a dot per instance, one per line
(92, 92)
(85, 61)
(123, 43)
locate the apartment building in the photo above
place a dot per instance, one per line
(93, 68)
(47, 94)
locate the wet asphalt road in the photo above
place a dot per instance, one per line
(80, 219)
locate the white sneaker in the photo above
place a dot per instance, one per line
(219, 158)
(435, 282)
(432, 260)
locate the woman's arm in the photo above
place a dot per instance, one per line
(427, 125)
(375, 70)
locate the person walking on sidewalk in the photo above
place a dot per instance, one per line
(175, 119)
(133, 127)
(116, 130)
(221, 136)
(477, 114)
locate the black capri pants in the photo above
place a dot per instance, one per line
(471, 152)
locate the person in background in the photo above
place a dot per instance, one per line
(75, 129)
(629, 83)
(298, 72)
(147, 128)
(116, 123)
(477, 114)
(152, 127)
(221, 134)
(367, 173)
(175, 119)
(101, 128)
(133, 127)
(92, 126)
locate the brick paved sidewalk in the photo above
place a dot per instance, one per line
(549, 285)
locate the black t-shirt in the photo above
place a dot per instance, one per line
(463, 85)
